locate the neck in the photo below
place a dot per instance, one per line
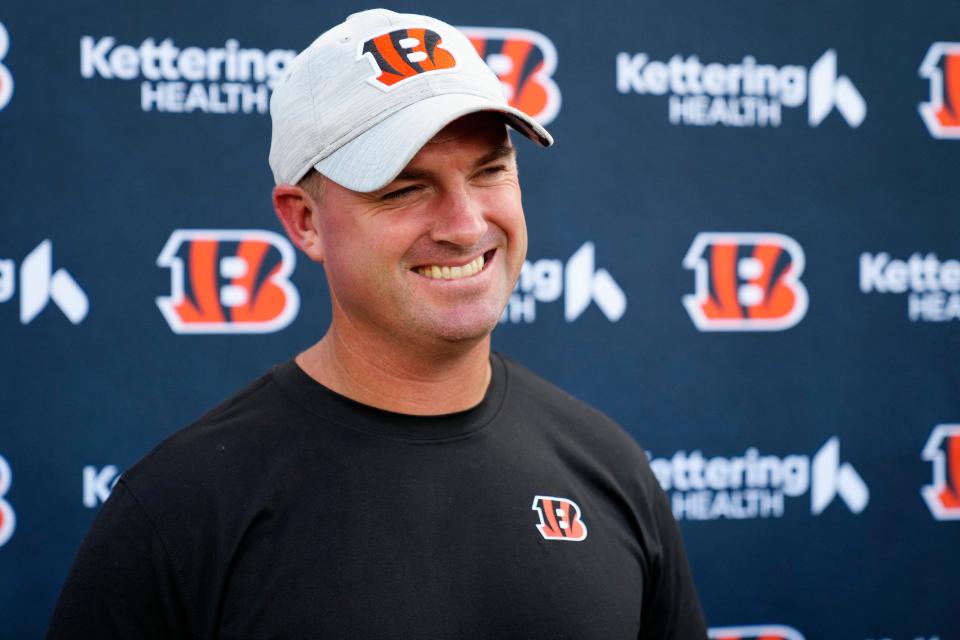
(421, 380)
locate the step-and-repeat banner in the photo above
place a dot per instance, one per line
(745, 248)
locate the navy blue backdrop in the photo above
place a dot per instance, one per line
(744, 248)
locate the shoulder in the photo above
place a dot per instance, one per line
(568, 418)
(533, 393)
(238, 442)
(230, 421)
(535, 389)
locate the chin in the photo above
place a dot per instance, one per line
(458, 328)
(460, 337)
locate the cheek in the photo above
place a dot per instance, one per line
(363, 259)
(519, 249)
(344, 260)
(509, 217)
(521, 223)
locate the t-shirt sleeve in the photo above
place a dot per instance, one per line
(672, 609)
(122, 583)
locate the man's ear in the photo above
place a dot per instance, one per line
(295, 209)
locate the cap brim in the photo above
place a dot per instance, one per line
(374, 158)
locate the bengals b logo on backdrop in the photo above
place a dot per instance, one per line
(6, 79)
(943, 450)
(941, 66)
(228, 281)
(524, 61)
(559, 519)
(402, 54)
(745, 282)
(755, 632)
(8, 518)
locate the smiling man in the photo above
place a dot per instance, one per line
(419, 270)
(396, 479)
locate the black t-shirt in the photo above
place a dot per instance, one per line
(293, 512)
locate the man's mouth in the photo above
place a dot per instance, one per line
(455, 272)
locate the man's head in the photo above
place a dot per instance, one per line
(364, 97)
(433, 255)
(409, 195)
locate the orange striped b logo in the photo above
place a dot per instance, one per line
(559, 519)
(228, 281)
(405, 53)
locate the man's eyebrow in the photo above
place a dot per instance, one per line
(414, 174)
(498, 152)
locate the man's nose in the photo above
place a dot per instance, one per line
(460, 220)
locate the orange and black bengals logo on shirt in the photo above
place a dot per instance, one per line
(560, 519)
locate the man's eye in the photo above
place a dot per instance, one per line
(490, 171)
(400, 193)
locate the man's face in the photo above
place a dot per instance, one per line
(405, 261)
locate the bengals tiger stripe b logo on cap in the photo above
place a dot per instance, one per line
(402, 54)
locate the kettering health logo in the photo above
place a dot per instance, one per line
(6, 79)
(98, 483)
(756, 485)
(932, 285)
(743, 94)
(227, 79)
(578, 280)
(40, 285)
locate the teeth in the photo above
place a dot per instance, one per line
(453, 273)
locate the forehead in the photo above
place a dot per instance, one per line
(475, 133)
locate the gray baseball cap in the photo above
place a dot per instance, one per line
(365, 96)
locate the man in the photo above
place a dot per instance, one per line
(395, 479)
